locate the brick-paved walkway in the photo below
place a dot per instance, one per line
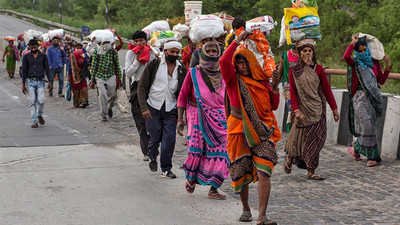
(350, 194)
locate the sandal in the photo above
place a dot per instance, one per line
(315, 177)
(189, 187)
(216, 195)
(372, 163)
(246, 217)
(286, 167)
(356, 156)
(266, 221)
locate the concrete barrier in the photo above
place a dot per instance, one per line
(388, 125)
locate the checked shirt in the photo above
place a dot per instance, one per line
(105, 66)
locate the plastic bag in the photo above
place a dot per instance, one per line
(259, 45)
(159, 38)
(374, 45)
(301, 23)
(68, 91)
(100, 34)
(282, 38)
(205, 26)
(161, 25)
(32, 34)
(180, 31)
(304, 3)
(265, 24)
(56, 33)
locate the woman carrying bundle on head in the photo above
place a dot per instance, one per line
(363, 77)
(309, 92)
(202, 96)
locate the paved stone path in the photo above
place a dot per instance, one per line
(350, 194)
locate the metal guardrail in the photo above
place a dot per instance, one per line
(69, 29)
(393, 76)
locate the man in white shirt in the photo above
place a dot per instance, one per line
(158, 91)
(135, 62)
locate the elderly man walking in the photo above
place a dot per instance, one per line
(105, 72)
(158, 91)
(34, 65)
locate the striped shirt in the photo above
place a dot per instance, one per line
(105, 66)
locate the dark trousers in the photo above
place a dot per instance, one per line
(162, 128)
(141, 127)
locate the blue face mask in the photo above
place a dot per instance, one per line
(55, 45)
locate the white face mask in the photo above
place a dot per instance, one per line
(106, 47)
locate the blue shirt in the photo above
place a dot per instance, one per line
(56, 56)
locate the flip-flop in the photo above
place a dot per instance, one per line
(246, 217)
(315, 177)
(286, 167)
(216, 195)
(372, 163)
(266, 221)
(189, 187)
(353, 153)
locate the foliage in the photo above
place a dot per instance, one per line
(340, 19)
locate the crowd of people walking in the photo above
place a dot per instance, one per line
(228, 97)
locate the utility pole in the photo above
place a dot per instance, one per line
(60, 13)
(106, 12)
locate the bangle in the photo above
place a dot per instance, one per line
(296, 110)
(275, 92)
(236, 41)
(180, 120)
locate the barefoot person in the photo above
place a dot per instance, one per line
(202, 95)
(309, 91)
(366, 101)
(252, 126)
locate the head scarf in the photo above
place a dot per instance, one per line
(256, 71)
(209, 67)
(103, 49)
(364, 59)
(172, 44)
(298, 67)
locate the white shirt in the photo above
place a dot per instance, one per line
(164, 86)
(133, 68)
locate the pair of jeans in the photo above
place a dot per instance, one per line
(36, 97)
(162, 128)
(60, 74)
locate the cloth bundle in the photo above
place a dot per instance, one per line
(205, 26)
(100, 34)
(161, 25)
(265, 24)
(375, 46)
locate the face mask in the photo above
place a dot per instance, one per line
(171, 58)
(84, 46)
(106, 47)
(307, 58)
(55, 45)
(34, 51)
